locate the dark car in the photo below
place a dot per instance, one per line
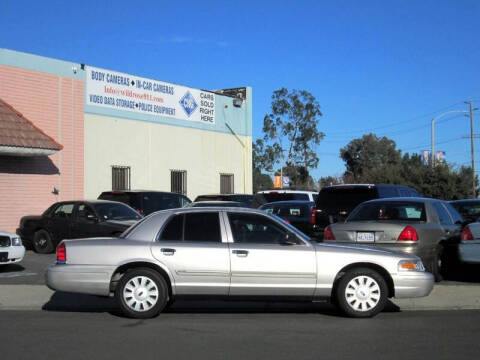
(335, 202)
(73, 220)
(245, 199)
(146, 202)
(428, 228)
(468, 208)
(215, 203)
(298, 213)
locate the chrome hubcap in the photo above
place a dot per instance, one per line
(362, 293)
(140, 293)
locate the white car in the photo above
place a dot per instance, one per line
(286, 195)
(11, 248)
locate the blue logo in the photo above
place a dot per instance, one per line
(188, 103)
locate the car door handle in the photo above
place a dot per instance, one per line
(167, 251)
(240, 253)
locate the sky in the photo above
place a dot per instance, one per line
(385, 67)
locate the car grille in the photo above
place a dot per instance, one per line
(4, 241)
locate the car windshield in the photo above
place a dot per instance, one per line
(288, 210)
(396, 211)
(112, 211)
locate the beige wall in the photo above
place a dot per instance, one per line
(152, 150)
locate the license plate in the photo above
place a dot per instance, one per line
(3, 256)
(365, 236)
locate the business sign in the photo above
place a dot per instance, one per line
(119, 91)
(277, 182)
(286, 181)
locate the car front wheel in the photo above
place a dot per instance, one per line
(361, 293)
(42, 242)
(141, 293)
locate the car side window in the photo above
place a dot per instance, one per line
(442, 214)
(174, 229)
(457, 218)
(257, 229)
(64, 211)
(84, 212)
(202, 226)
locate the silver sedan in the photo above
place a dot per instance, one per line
(233, 253)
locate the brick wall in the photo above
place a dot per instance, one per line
(56, 105)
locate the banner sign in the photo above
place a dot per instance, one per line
(119, 91)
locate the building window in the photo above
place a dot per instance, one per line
(226, 183)
(178, 180)
(120, 177)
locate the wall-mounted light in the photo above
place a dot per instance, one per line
(82, 66)
(74, 69)
(55, 191)
(237, 102)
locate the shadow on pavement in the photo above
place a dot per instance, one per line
(5, 269)
(72, 302)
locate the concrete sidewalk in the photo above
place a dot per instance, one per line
(37, 297)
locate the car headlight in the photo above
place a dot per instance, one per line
(16, 241)
(410, 265)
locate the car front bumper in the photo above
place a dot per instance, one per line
(412, 284)
(87, 279)
(15, 254)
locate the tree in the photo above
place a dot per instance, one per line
(374, 160)
(294, 120)
(261, 181)
(368, 154)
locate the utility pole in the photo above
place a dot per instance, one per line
(472, 145)
(432, 161)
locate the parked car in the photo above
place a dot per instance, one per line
(215, 203)
(268, 196)
(298, 213)
(245, 199)
(145, 201)
(335, 202)
(419, 226)
(235, 254)
(468, 208)
(469, 245)
(11, 248)
(75, 219)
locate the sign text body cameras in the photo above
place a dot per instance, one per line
(110, 89)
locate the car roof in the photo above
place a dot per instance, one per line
(290, 202)
(286, 191)
(465, 201)
(139, 191)
(216, 202)
(406, 198)
(89, 202)
(213, 208)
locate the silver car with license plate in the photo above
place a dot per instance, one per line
(232, 253)
(428, 228)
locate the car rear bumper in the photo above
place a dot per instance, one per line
(15, 254)
(87, 279)
(412, 284)
(469, 253)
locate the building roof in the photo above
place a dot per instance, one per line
(19, 136)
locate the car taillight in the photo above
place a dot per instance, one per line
(408, 234)
(61, 253)
(139, 211)
(328, 234)
(312, 216)
(286, 220)
(466, 234)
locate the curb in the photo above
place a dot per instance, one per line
(39, 297)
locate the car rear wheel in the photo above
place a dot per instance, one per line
(361, 293)
(42, 242)
(141, 293)
(436, 265)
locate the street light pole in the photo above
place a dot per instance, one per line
(472, 147)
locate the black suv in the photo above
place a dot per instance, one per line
(334, 203)
(147, 201)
